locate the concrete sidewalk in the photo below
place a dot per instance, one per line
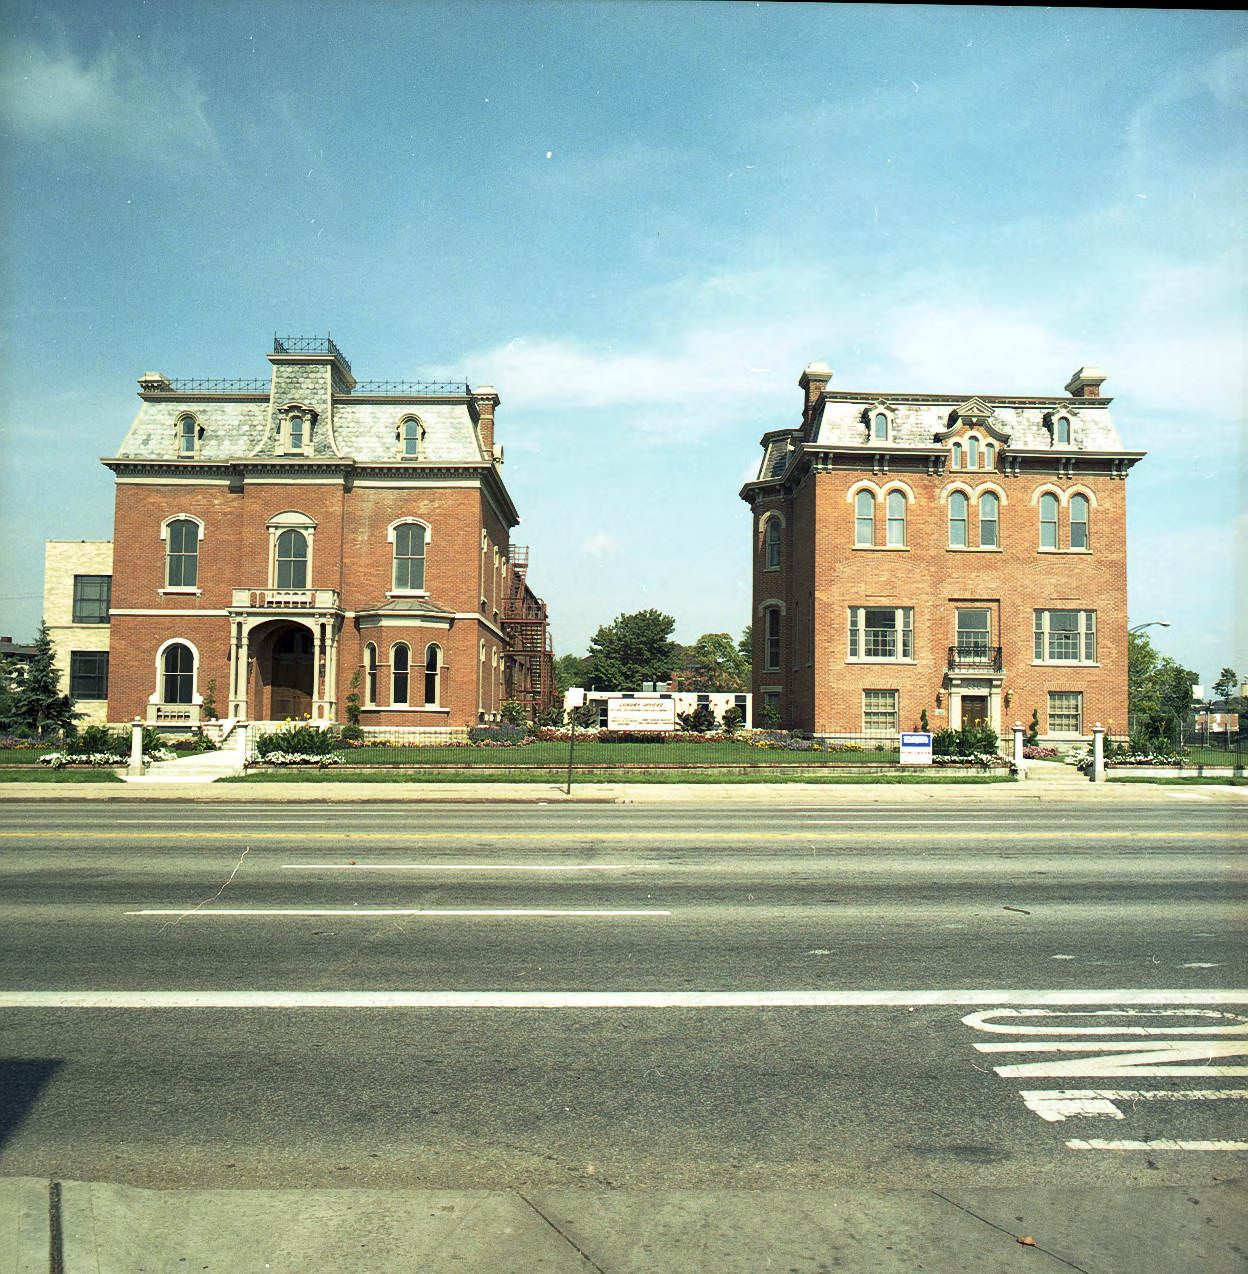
(99, 1228)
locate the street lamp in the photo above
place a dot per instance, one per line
(1152, 623)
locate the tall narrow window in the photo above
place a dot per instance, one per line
(972, 453)
(864, 518)
(370, 675)
(990, 456)
(771, 638)
(1061, 431)
(989, 520)
(177, 674)
(181, 553)
(1079, 505)
(879, 427)
(1048, 521)
(957, 456)
(292, 560)
(897, 518)
(409, 438)
(294, 432)
(771, 545)
(400, 672)
(188, 435)
(957, 520)
(409, 557)
(433, 669)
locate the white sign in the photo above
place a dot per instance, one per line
(641, 714)
(916, 749)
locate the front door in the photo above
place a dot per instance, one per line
(974, 709)
(293, 675)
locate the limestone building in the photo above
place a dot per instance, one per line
(284, 544)
(959, 555)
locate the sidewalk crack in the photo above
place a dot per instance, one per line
(593, 1265)
(1078, 1268)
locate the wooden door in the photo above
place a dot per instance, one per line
(294, 660)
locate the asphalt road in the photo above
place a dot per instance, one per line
(878, 1077)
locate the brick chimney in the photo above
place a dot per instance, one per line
(484, 400)
(1086, 383)
(814, 380)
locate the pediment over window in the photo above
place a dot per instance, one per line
(974, 414)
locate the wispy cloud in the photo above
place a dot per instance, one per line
(111, 99)
(599, 545)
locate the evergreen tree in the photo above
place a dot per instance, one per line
(38, 703)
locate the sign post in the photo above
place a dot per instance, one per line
(916, 749)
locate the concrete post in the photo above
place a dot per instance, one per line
(135, 768)
(1018, 744)
(1098, 753)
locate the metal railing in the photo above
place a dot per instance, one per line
(981, 658)
(413, 387)
(220, 385)
(309, 345)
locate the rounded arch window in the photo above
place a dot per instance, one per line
(410, 433)
(188, 435)
(400, 673)
(989, 520)
(1061, 431)
(177, 674)
(433, 669)
(957, 519)
(879, 426)
(1048, 520)
(771, 544)
(1079, 510)
(957, 455)
(864, 518)
(896, 511)
(291, 559)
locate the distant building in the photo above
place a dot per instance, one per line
(719, 702)
(963, 556)
(281, 545)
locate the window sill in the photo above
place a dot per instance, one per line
(406, 707)
(881, 548)
(970, 548)
(880, 659)
(772, 570)
(1071, 552)
(413, 592)
(180, 592)
(1062, 663)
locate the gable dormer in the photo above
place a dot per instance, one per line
(880, 422)
(975, 436)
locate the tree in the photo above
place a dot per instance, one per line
(8, 685)
(570, 670)
(714, 662)
(1159, 692)
(632, 649)
(1227, 684)
(38, 703)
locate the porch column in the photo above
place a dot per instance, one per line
(319, 673)
(239, 707)
(331, 669)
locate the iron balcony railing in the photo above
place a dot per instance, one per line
(226, 385)
(974, 658)
(309, 345)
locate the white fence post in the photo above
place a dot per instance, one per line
(1018, 744)
(1098, 753)
(135, 769)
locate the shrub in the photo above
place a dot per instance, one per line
(701, 720)
(946, 743)
(96, 739)
(304, 740)
(504, 735)
(734, 719)
(513, 712)
(1033, 730)
(352, 733)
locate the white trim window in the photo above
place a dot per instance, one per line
(1048, 520)
(409, 557)
(880, 713)
(1080, 507)
(177, 674)
(989, 520)
(895, 504)
(189, 433)
(771, 544)
(290, 550)
(1065, 712)
(881, 633)
(864, 519)
(1065, 637)
(958, 505)
(181, 536)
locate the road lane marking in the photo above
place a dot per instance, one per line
(915, 822)
(454, 866)
(1160, 1144)
(1171, 1057)
(593, 999)
(383, 911)
(1022, 1022)
(1058, 1104)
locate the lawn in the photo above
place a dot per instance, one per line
(41, 774)
(553, 777)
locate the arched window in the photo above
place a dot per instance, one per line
(294, 431)
(181, 553)
(879, 427)
(1048, 521)
(1079, 506)
(989, 520)
(370, 675)
(1061, 431)
(896, 518)
(957, 520)
(433, 671)
(400, 672)
(771, 638)
(177, 679)
(409, 438)
(864, 518)
(409, 557)
(291, 560)
(990, 456)
(771, 544)
(957, 456)
(188, 435)
(972, 453)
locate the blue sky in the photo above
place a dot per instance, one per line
(639, 221)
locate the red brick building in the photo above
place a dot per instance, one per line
(284, 544)
(962, 556)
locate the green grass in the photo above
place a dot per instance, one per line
(41, 774)
(554, 778)
(24, 756)
(1220, 780)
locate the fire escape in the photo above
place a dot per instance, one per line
(529, 660)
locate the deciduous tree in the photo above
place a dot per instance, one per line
(632, 649)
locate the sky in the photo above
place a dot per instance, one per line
(639, 221)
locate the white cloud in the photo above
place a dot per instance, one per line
(599, 545)
(112, 98)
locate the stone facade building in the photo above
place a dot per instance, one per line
(956, 555)
(77, 592)
(286, 547)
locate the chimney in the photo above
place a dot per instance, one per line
(1086, 383)
(484, 400)
(153, 383)
(814, 380)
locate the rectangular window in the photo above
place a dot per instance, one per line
(88, 674)
(1065, 712)
(92, 596)
(973, 633)
(879, 712)
(771, 645)
(881, 632)
(1065, 636)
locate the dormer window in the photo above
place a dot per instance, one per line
(879, 423)
(294, 431)
(1061, 431)
(188, 435)
(409, 435)
(295, 424)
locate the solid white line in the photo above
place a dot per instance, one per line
(588, 999)
(1158, 1145)
(383, 911)
(1134, 1094)
(453, 866)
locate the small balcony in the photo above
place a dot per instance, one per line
(974, 657)
(284, 599)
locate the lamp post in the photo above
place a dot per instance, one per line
(1152, 623)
